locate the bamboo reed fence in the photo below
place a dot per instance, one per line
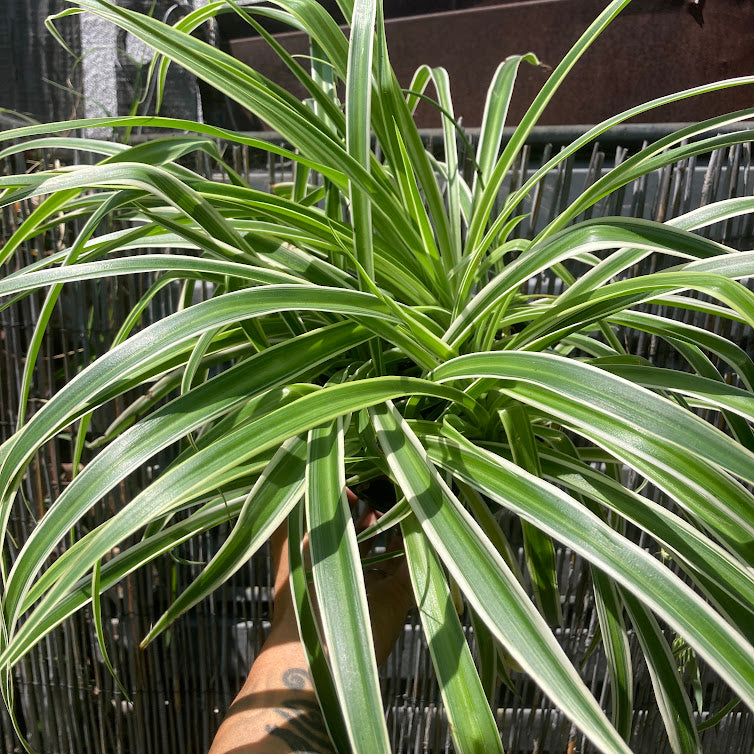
(181, 685)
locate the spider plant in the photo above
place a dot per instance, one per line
(372, 320)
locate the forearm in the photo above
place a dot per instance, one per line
(276, 711)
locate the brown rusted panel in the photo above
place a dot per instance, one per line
(654, 49)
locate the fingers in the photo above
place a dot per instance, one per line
(388, 584)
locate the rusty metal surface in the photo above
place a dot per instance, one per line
(653, 50)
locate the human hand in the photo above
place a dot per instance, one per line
(388, 586)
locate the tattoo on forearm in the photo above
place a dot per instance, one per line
(297, 678)
(304, 729)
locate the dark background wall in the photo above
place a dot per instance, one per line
(653, 48)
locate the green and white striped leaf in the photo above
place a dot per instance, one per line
(339, 585)
(605, 405)
(656, 586)
(485, 580)
(617, 652)
(672, 698)
(218, 463)
(310, 634)
(471, 722)
(277, 490)
(358, 105)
